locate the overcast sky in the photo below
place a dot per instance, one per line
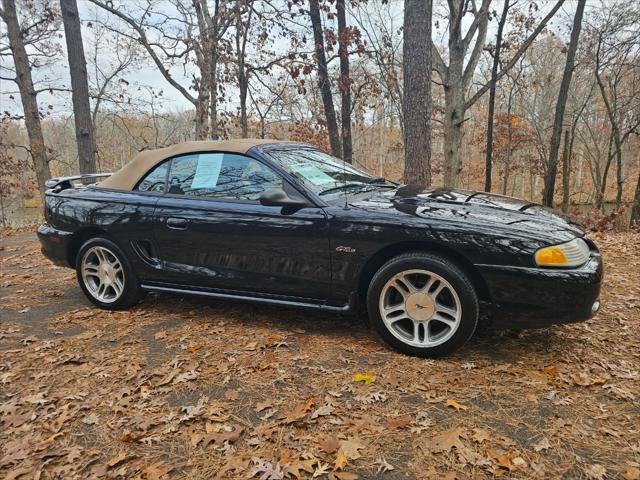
(146, 74)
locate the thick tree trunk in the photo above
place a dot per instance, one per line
(243, 82)
(244, 123)
(27, 95)
(85, 138)
(417, 92)
(507, 160)
(619, 177)
(453, 134)
(566, 165)
(602, 190)
(345, 84)
(635, 209)
(550, 174)
(492, 98)
(203, 59)
(323, 79)
(202, 114)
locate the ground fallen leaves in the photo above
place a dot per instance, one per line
(186, 389)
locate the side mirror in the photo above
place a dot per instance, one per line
(276, 197)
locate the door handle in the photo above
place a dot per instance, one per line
(177, 223)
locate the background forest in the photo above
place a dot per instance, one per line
(539, 100)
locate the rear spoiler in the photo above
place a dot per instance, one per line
(62, 183)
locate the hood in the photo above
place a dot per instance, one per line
(469, 207)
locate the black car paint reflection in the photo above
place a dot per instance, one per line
(324, 254)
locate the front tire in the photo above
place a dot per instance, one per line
(105, 275)
(423, 304)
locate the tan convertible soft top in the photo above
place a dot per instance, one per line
(128, 176)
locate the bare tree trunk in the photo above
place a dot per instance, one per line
(344, 84)
(417, 92)
(79, 87)
(602, 192)
(507, 160)
(492, 98)
(566, 165)
(550, 174)
(323, 79)
(619, 177)
(635, 209)
(213, 83)
(27, 94)
(243, 81)
(453, 132)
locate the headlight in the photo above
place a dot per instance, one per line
(570, 254)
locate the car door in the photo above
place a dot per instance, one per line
(212, 231)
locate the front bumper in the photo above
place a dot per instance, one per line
(538, 297)
(55, 244)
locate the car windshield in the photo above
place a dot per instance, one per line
(320, 172)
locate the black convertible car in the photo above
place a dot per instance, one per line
(286, 224)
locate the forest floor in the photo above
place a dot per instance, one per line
(192, 389)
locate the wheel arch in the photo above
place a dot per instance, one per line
(79, 238)
(387, 253)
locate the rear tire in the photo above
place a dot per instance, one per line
(105, 275)
(423, 304)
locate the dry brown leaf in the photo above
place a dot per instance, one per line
(504, 461)
(350, 448)
(551, 370)
(323, 411)
(480, 435)
(297, 467)
(157, 471)
(341, 460)
(543, 444)
(263, 405)
(298, 412)
(118, 459)
(445, 441)
(329, 444)
(236, 465)
(583, 379)
(232, 395)
(632, 473)
(400, 421)
(216, 438)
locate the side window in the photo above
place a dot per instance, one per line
(221, 175)
(154, 180)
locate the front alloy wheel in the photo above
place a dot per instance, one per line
(423, 304)
(420, 308)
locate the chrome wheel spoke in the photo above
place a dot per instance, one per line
(437, 291)
(117, 287)
(391, 310)
(103, 274)
(91, 270)
(446, 310)
(451, 323)
(404, 286)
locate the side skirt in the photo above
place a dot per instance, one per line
(245, 297)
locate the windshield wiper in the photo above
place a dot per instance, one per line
(342, 187)
(373, 183)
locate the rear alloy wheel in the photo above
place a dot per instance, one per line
(423, 304)
(105, 276)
